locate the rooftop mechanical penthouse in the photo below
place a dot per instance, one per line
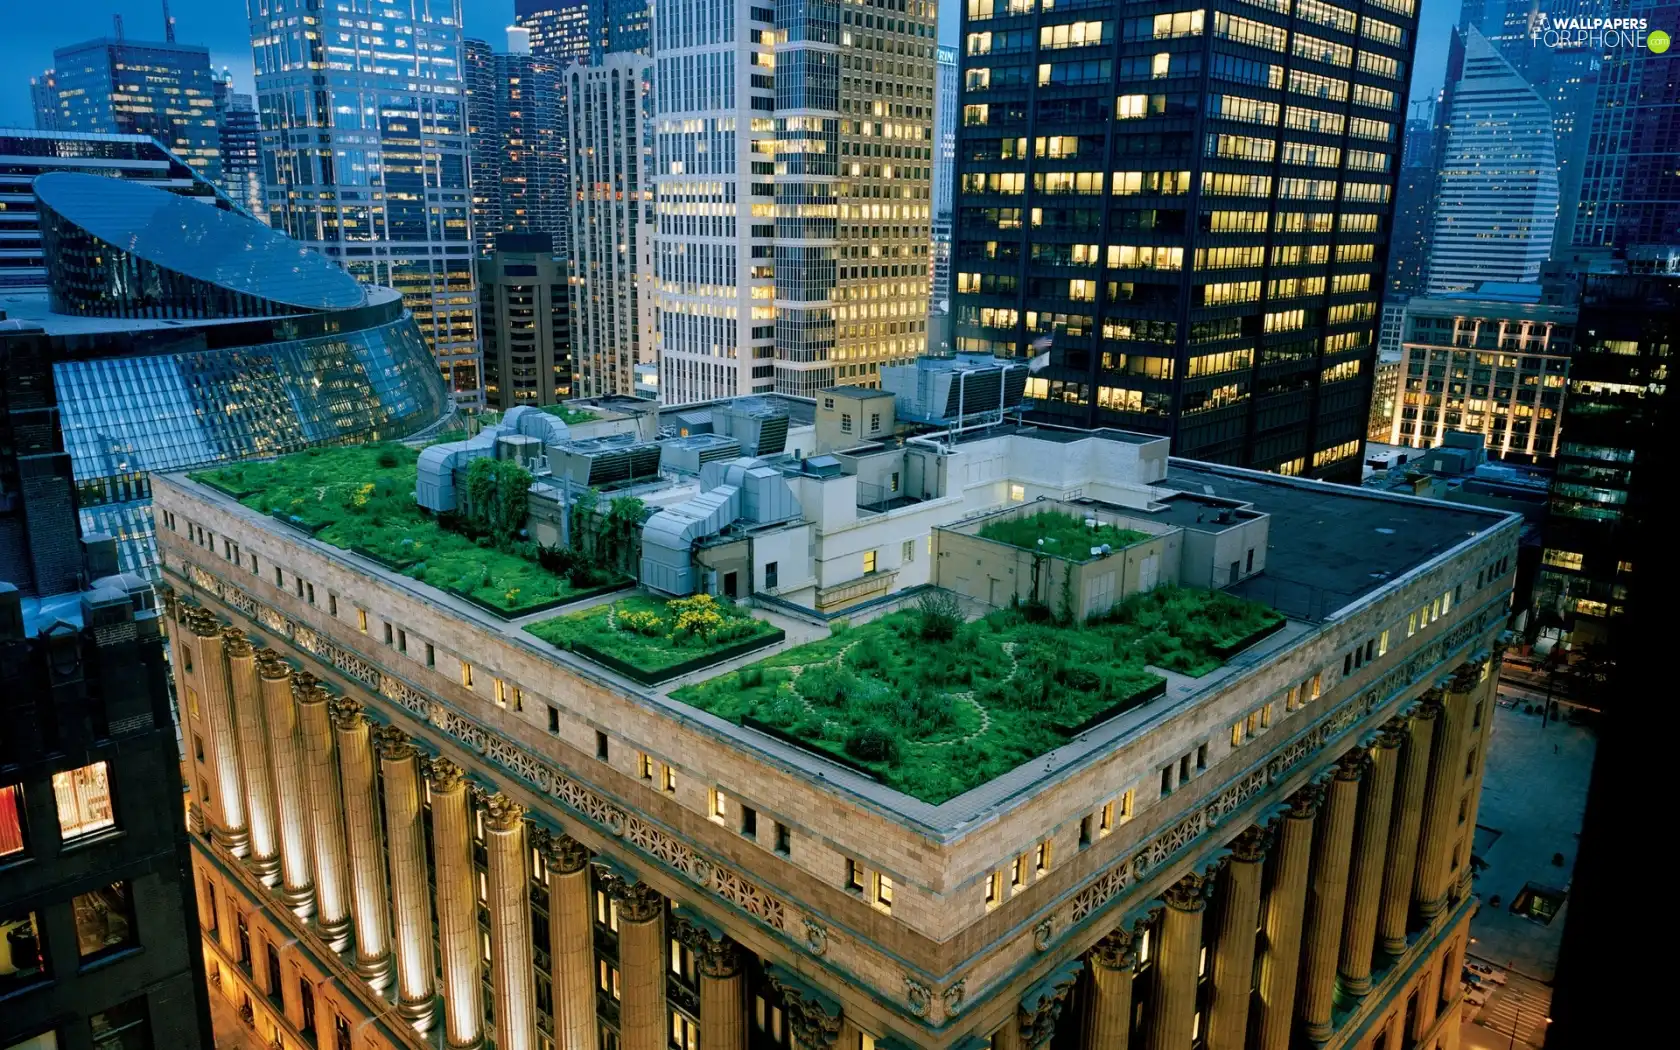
(1261, 836)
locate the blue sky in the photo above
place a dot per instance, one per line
(34, 28)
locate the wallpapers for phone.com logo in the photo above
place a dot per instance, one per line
(1574, 32)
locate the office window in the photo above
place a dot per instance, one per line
(104, 920)
(466, 674)
(390, 635)
(854, 876)
(601, 743)
(784, 839)
(719, 806)
(908, 554)
(1041, 859)
(749, 822)
(685, 1034)
(402, 641)
(341, 1033)
(1314, 687)
(771, 576)
(1382, 644)
(883, 892)
(125, 1027)
(361, 620)
(868, 561)
(645, 765)
(11, 819)
(994, 889)
(25, 960)
(1017, 493)
(606, 975)
(606, 911)
(554, 726)
(1201, 756)
(1084, 831)
(1166, 780)
(431, 655)
(186, 658)
(670, 780)
(84, 801)
(332, 605)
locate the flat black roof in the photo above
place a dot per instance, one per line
(1330, 545)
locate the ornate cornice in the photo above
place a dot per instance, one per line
(1189, 893)
(1116, 951)
(305, 685)
(1392, 734)
(203, 623)
(503, 814)
(445, 776)
(716, 954)
(271, 666)
(1469, 674)
(1429, 705)
(1250, 847)
(1043, 1003)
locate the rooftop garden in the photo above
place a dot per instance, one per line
(1059, 533)
(652, 640)
(565, 413)
(361, 498)
(933, 706)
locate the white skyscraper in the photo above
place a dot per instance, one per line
(1498, 188)
(365, 155)
(611, 118)
(795, 155)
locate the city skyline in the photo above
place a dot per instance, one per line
(222, 27)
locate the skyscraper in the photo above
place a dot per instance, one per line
(610, 112)
(526, 311)
(43, 97)
(562, 31)
(1414, 208)
(369, 165)
(1188, 210)
(944, 171)
(1629, 194)
(165, 90)
(629, 26)
(241, 148)
(794, 181)
(515, 111)
(1497, 183)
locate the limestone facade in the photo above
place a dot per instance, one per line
(1209, 879)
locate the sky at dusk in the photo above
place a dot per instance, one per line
(34, 28)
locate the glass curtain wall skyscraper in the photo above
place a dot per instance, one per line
(1497, 180)
(1187, 210)
(795, 156)
(365, 155)
(165, 90)
(944, 171)
(514, 116)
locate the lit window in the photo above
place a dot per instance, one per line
(685, 1034)
(84, 801)
(1446, 602)
(466, 674)
(11, 819)
(1411, 624)
(1041, 859)
(646, 765)
(1382, 644)
(1126, 806)
(854, 876)
(1018, 874)
(868, 561)
(104, 920)
(720, 806)
(361, 619)
(1266, 717)
(1017, 493)
(994, 889)
(1105, 822)
(501, 691)
(883, 892)
(24, 962)
(1315, 680)
(670, 780)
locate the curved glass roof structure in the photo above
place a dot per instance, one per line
(199, 243)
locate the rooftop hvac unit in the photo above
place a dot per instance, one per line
(951, 390)
(688, 455)
(758, 425)
(599, 462)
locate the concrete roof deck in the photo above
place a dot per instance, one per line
(1331, 546)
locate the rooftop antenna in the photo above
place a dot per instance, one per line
(116, 21)
(168, 24)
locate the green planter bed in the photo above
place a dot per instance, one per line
(604, 635)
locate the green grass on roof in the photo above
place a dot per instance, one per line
(1065, 535)
(655, 638)
(361, 497)
(934, 713)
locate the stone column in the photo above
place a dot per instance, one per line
(1108, 1007)
(248, 719)
(1172, 1016)
(1446, 784)
(457, 905)
(411, 897)
(571, 942)
(1327, 895)
(1009, 1036)
(641, 956)
(297, 861)
(1233, 953)
(1285, 905)
(369, 904)
(232, 831)
(1404, 825)
(510, 925)
(1370, 856)
(723, 990)
(326, 810)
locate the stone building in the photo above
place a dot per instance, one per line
(1277, 850)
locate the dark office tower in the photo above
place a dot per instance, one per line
(165, 90)
(527, 313)
(98, 949)
(1629, 194)
(1414, 210)
(1189, 209)
(43, 97)
(514, 112)
(241, 153)
(1629, 324)
(629, 25)
(944, 174)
